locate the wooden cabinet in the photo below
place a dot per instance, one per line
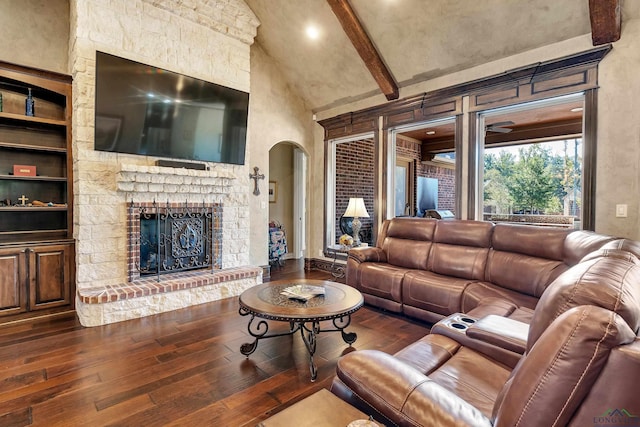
(34, 278)
(36, 246)
(13, 280)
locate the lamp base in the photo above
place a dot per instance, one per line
(355, 226)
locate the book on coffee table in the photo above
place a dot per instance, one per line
(302, 292)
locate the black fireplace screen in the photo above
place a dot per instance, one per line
(174, 239)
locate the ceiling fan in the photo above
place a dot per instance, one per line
(499, 127)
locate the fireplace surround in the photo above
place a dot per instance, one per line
(226, 272)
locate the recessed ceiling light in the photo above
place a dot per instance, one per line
(431, 132)
(575, 110)
(312, 32)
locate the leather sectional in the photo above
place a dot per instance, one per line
(429, 269)
(552, 340)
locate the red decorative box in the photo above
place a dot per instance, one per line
(24, 170)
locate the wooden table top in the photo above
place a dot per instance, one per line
(267, 302)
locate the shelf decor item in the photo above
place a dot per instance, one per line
(29, 105)
(24, 170)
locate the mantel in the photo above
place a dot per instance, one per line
(157, 179)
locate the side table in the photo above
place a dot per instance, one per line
(338, 270)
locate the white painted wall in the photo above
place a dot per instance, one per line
(35, 33)
(276, 115)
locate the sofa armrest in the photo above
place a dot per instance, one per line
(403, 394)
(456, 327)
(501, 331)
(368, 254)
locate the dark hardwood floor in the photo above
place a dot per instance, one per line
(178, 368)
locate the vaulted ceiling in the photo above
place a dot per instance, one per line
(414, 40)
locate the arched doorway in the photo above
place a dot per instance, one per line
(288, 195)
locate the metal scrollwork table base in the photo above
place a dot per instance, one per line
(266, 302)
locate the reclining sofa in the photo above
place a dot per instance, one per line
(576, 363)
(429, 269)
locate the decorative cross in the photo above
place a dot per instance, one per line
(255, 177)
(23, 199)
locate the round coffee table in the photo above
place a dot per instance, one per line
(267, 302)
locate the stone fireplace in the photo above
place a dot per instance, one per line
(211, 42)
(138, 294)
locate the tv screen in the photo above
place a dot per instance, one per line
(146, 110)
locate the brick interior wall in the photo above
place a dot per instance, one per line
(446, 177)
(355, 178)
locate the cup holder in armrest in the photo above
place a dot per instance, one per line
(458, 322)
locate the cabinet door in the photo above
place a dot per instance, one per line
(13, 281)
(50, 276)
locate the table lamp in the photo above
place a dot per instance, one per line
(356, 209)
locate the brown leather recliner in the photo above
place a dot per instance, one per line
(582, 359)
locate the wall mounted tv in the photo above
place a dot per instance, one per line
(146, 110)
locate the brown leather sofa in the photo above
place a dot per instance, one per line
(581, 359)
(430, 269)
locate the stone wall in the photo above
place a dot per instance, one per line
(210, 41)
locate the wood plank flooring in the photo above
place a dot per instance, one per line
(182, 368)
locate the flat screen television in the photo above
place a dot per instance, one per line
(149, 111)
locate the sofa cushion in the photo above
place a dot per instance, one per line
(477, 293)
(407, 241)
(460, 249)
(560, 369)
(525, 259)
(458, 261)
(464, 233)
(522, 273)
(382, 280)
(538, 242)
(433, 292)
(581, 242)
(401, 393)
(428, 353)
(609, 282)
(407, 253)
(454, 367)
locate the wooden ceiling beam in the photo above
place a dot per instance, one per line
(363, 44)
(606, 21)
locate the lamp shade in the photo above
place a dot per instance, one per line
(356, 208)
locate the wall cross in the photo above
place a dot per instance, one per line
(255, 176)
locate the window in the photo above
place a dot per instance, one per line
(351, 173)
(532, 162)
(426, 150)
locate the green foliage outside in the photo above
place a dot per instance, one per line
(535, 181)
